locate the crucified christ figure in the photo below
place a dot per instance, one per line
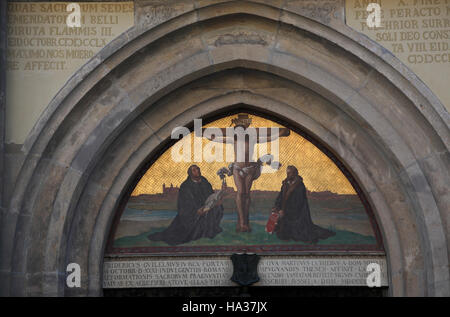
(244, 169)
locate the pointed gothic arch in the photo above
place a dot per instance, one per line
(96, 133)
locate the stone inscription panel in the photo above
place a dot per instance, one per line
(43, 52)
(273, 271)
(416, 31)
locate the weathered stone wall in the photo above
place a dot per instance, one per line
(190, 59)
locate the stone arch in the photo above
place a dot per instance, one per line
(100, 128)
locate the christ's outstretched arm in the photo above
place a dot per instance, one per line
(220, 139)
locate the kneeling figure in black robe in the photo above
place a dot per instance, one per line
(192, 221)
(295, 219)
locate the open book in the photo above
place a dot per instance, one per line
(272, 222)
(212, 200)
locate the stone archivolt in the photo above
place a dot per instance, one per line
(119, 110)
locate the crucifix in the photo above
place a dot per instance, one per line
(244, 169)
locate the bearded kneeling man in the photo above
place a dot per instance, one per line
(193, 221)
(295, 218)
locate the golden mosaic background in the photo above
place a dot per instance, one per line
(318, 171)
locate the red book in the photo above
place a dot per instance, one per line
(272, 222)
